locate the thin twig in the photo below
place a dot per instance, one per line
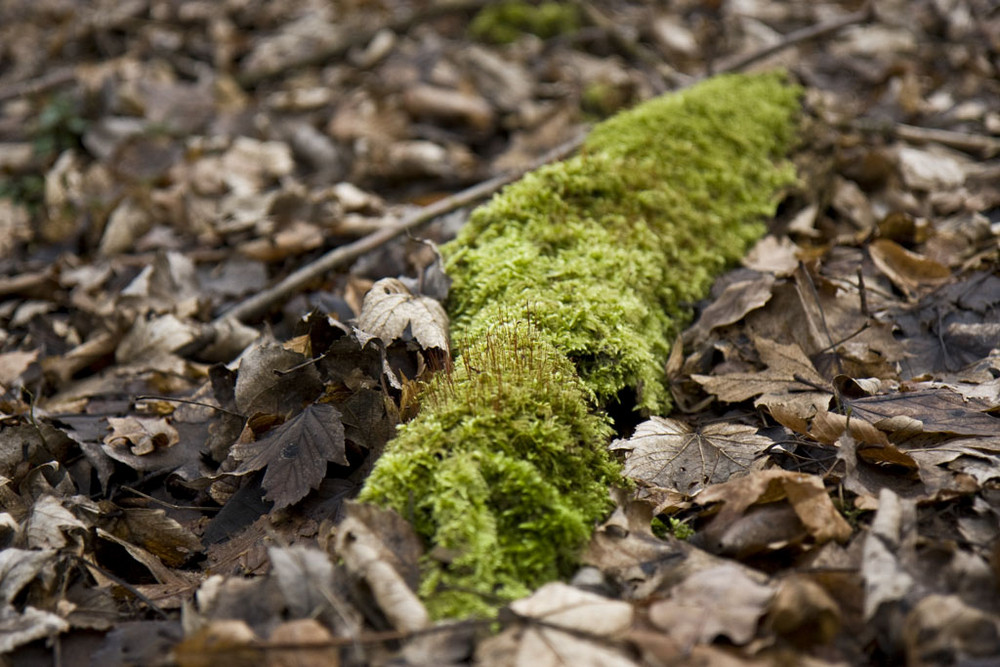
(811, 33)
(44, 83)
(124, 584)
(359, 38)
(259, 304)
(977, 144)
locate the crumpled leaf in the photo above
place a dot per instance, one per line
(392, 313)
(139, 435)
(668, 453)
(48, 522)
(379, 548)
(741, 528)
(295, 453)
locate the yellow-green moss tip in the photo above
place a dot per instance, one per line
(611, 247)
(505, 470)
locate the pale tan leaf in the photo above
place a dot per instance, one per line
(721, 601)
(392, 313)
(139, 435)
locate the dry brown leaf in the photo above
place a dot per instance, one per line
(139, 435)
(937, 410)
(576, 630)
(306, 642)
(907, 270)
(295, 453)
(718, 602)
(776, 255)
(732, 305)
(392, 313)
(806, 495)
(667, 453)
(785, 363)
(221, 641)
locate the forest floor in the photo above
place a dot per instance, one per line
(826, 491)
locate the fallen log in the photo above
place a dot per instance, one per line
(569, 287)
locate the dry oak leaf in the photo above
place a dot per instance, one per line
(392, 313)
(667, 453)
(295, 454)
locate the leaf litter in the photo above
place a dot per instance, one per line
(834, 465)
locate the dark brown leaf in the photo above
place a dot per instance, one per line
(296, 453)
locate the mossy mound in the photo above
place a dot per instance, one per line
(568, 289)
(504, 469)
(611, 247)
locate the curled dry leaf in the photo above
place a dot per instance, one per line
(811, 511)
(906, 269)
(139, 435)
(392, 313)
(369, 559)
(668, 453)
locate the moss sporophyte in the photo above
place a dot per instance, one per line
(568, 288)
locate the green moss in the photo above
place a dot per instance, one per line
(504, 22)
(611, 247)
(505, 470)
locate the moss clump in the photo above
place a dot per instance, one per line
(504, 22)
(504, 469)
(609, 248)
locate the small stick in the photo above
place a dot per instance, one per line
(739, 63)
(259, 304)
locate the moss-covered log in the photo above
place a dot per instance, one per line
(568, 288)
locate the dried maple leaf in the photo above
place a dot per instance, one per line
(295, 453)
(668, 453)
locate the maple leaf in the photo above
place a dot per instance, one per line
(668, 453)
(295, 453)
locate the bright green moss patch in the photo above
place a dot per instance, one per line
(504, 22)
(504, 469)
(610, 248)
(595, 260)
